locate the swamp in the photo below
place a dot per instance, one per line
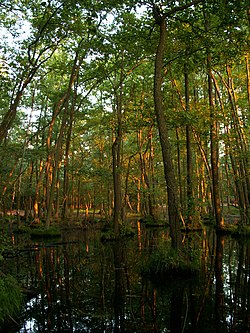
(81, 283)
(124, 166)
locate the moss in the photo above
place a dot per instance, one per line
(10, 297)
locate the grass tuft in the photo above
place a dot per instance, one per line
(43, 232)
(10, 297)
(165, 263)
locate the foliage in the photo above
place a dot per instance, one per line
(65, 65)
(10, 297)
(5, 243)
(126, 230)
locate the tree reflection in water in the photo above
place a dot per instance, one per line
(83, 285)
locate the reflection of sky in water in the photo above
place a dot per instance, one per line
(78, 310)
(230, 271)
(29, 324)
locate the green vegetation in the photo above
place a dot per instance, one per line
(10, 298)
(126, 231)
(236, 230)
(120, 108)
(10, 292)
(166, 263)
(41, 232)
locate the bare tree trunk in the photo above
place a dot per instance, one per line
(248, 78)
(243, 149)
(172, 188)
(214, 142)
(116, 151)
(117, 162)
(57, 151)
(66, 159)
(145, 169)
(189, 153)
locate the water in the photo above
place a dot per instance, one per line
(80, 284)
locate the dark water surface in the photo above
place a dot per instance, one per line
(80, 284)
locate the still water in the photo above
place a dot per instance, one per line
(80, 284)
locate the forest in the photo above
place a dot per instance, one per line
(125, 107)
(117, 111)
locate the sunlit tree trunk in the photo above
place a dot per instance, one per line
(241, 143)
(126, 193)
(66, 161)
(55, 155)
(146, 171)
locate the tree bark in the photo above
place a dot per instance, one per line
(66, 158)
(116, 151)
(214, 141)
(172, 188)
(117, 163)
(248, 78)
(57, 151)
(189, 153)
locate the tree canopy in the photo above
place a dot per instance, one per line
(79, 128)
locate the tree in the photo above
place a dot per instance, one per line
(173, 200)
(35, 52)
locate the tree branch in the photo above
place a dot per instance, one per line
(179, 8)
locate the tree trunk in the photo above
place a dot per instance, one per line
(242, 146)
(172, 188)
(57, 151)
(117, 163)
(66, 160)
(248, 78)
(214, 142)
(145, 179)
(116, 151)
(189, 153)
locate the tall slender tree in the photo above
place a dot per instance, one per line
(172, 188)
